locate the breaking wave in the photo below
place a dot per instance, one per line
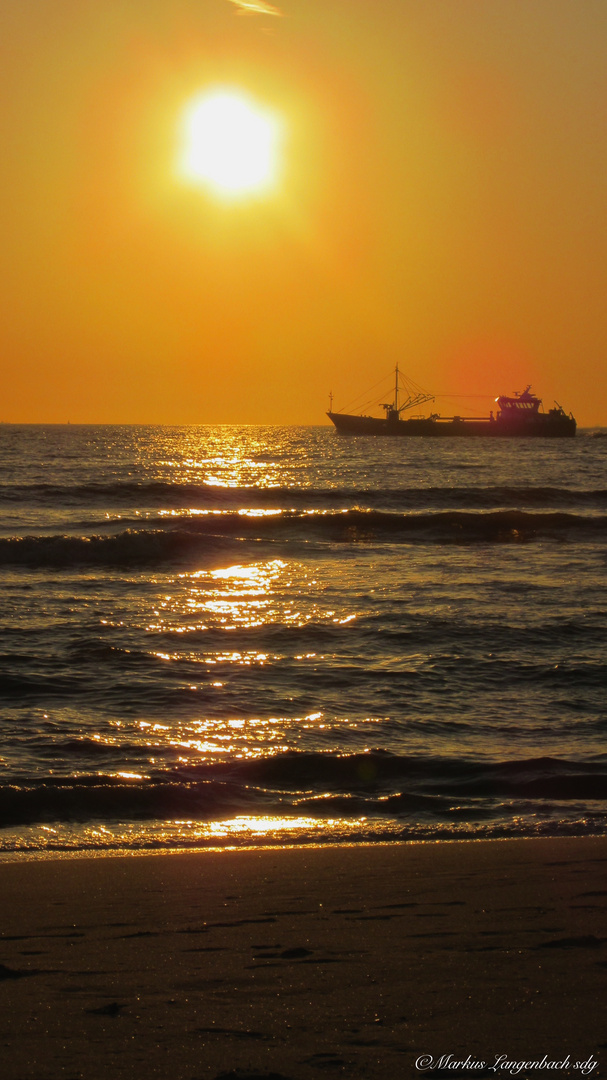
(215, 535)
(323, 785)
(158, 494)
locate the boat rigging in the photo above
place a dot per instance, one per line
(518, 415)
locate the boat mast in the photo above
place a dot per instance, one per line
(414, 396)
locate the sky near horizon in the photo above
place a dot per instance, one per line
(438, 201)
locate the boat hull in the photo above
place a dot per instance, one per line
(555, 425)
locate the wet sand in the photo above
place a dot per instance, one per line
(302, 963)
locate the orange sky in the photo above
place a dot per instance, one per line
(441, 203)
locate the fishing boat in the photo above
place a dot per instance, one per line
(518, 416)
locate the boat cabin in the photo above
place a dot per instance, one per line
(519, 406)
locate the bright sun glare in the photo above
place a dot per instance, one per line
(230, 144)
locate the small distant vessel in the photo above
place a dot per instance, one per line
(518, 416)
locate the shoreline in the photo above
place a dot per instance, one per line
(68, 854)
(353, 959)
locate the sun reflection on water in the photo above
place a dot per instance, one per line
(243, 596)
(254, 827)
(133, 838)
(208, 740)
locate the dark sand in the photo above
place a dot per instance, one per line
(305, 963)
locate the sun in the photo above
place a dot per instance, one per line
(230, 144)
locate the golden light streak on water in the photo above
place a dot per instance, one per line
(259, 826)
(238, 596)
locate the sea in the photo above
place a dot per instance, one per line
(214, 637)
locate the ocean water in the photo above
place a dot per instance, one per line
(242, 635)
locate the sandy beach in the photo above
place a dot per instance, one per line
(353, 961)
